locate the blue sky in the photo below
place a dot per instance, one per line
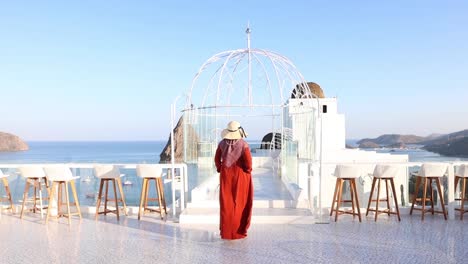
(109, 70)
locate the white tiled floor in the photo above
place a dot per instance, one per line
(154, 241)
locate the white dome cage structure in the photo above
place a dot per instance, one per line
(266, 93)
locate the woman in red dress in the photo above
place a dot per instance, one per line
(234, 163)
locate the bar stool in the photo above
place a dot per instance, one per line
(462, 174)
(386, 173)
(346, 173)
(151, 172)
(429, 172)
(8, 193)
(109, 173)
(61, 176)
(34, 175)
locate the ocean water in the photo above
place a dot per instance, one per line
(87, 152)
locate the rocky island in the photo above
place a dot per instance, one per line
(453, 144)
(10, 143)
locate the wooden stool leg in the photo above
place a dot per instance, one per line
(75, 197)
(340, 193)
(395, 198)
(388, 197)
(416, 192)
(116, 200)
(122, 196)
(462, 205)
(158, 190)
(98, 204)
(67, 199)
(370, 195)
(46, 183)
(34, 195)
(163, 196)
(334, 197)
(142, 197)
(147, 189)
(431, 191)
(41, 208)
(51, 194)
(8, 193)
(106, 196)
(357, 199)
(377, 201)
(441, 197)
(59, 199)
(351, 192)
(424, 199)
(25, 197)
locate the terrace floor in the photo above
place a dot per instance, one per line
(152, 240)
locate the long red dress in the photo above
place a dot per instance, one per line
(236, 193)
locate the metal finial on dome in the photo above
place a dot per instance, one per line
(250, 63)
(248, 31)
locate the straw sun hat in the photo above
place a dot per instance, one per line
(233, 131)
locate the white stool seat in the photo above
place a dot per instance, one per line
(347, 171)
(149, 171)
(2, 175)
(385, 171)
(107, 172)
(59, 173)
(462, 171)
(32, 172)
(432, 170)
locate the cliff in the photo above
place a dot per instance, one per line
(165, 156)
(9, 143)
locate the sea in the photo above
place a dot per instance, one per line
(86, 152)
(125, 152)
(118, 152)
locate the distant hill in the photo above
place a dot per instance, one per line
(393, 139)
(399, 145)
(368, 144)
(453, 144)
(454, 147)
(10, 142)
(442, 139)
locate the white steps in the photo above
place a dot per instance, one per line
(264, 212)
(209, 215)
(256, 204)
